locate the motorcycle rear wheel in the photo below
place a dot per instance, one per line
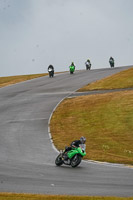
(58, 160)
(76, 160)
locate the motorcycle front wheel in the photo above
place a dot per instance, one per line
(58, 160)
(76, 160)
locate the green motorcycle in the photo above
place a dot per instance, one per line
(74, 156)
(72, 69)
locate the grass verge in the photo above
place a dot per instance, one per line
(10, 196)
(9, 80)
(123, 79)
(106, 120)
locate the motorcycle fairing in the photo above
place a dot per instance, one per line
(75, 151)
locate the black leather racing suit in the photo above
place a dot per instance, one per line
(75, 143)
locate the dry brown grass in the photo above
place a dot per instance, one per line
(106, 120)
(11, 196)
(9, 80)
(123, 79)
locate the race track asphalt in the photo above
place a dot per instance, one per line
(26, 153)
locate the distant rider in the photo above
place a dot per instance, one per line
(51, 67)
(111, 61)
(72, 65)
(88, 64)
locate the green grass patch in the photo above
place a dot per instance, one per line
(123, 79)
(10, 196)
(106, 120)
(9, 80)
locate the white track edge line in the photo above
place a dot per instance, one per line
(50, 136)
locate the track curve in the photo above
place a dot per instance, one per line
(26, 154)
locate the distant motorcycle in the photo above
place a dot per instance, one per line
(74, 156)
(88, 66)
(111, 63)
(72, 69)
(51, 72)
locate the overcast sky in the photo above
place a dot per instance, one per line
(36, 33)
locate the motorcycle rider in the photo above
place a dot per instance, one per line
(51, 67)
(72, 68)
(111, 61)
(72, 64)
(51, 70)
(88, 64)
(74, 144)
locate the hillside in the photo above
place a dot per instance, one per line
(106, 120)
